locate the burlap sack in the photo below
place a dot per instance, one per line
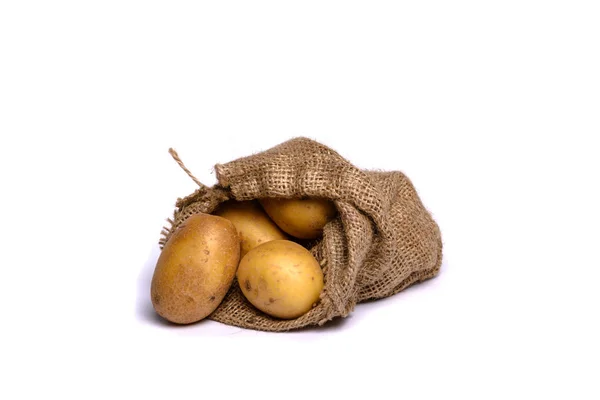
(382, 241)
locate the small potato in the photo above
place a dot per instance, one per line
(251, 222)
(195, 269)
(281, 278)
(301, 218)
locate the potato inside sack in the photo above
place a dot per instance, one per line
(281, 278)
(195, 269)
(301, 218)
(251, 222)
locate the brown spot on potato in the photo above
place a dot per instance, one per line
(262, 284)
(247, 284)
(271, 300)
(207, 252)
(212, 298)
(312, 278)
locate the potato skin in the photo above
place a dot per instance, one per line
(301, 218)
(251, 222)
(195, 269)
(281, 278)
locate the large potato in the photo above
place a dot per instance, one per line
(251, 222)
(301, 218)
(281, 278)
(195, 269)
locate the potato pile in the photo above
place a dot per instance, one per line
(255, 241)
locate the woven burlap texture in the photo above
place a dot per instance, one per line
(382, 241)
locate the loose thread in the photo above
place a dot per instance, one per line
(182, 165)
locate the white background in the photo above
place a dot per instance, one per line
(491, 108)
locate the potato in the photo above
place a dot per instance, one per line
(251, 222)
(195, 269)
(280, 278)
(300, 218)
